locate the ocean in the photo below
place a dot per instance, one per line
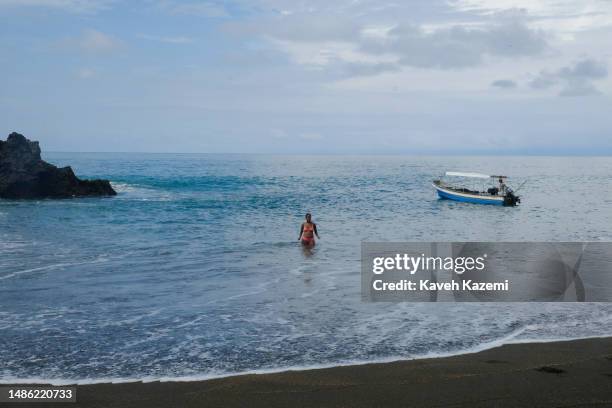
(194, 270)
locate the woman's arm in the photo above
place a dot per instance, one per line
(301, 231)
(314, 227)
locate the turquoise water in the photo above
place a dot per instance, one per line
(194, 271)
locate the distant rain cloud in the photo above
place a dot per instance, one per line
(574, 80)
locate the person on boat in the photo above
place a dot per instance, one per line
(502, 186)
(308, 230)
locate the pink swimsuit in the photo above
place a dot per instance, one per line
(308, 240)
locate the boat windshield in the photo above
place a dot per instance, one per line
(474, 183)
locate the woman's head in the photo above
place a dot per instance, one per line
(308, 217)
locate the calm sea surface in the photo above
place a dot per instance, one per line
(194, 270)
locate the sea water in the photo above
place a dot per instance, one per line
(194, 270)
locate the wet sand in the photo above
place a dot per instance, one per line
(560, 374)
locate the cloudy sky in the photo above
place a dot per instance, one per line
(289, 76)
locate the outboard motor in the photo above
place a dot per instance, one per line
(510, 200)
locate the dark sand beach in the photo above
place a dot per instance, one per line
(561, 374)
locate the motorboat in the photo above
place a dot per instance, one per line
(496, 193)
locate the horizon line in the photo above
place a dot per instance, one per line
(416, 153)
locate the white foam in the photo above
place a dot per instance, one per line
(122, 187)
(9, 246)
(52, 266)
(509, 339)
(140, 193)
(32, 270)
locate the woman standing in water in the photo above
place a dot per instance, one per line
(308, 230)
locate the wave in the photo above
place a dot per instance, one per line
(139, 192)
(123, 187)
(509, 339)
(60, 265)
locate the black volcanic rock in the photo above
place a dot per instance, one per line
(23, 174)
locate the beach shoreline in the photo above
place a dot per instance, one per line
(575, 373)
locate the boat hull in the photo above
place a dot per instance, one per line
(468, 198)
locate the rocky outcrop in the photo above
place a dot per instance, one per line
(23, 174)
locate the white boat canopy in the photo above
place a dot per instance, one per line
(474, 175)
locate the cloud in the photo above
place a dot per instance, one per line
(585, 69)
(504, 84)
(73, 6)
(537, 8)
(97, 42)
(579, 88)
(164, 39)
(90, 42)
(309, 28)
(368, 69)
(575, 80)
(554, 15)
(544, 80)
(459, 46)
(339, 44)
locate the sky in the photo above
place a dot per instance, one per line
(312, 77)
